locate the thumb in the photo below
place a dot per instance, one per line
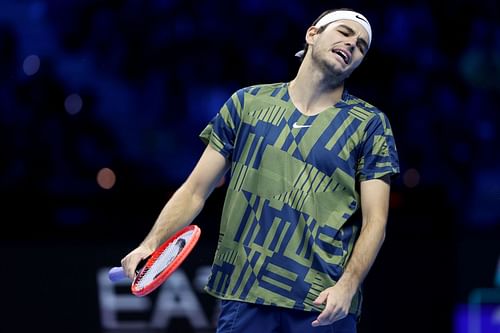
(321, 298)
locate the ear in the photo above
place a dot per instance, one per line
(311, 34)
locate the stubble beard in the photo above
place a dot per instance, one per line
(333, 75)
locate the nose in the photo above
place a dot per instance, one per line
(351, 42)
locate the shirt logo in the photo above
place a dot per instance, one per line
(295, 125)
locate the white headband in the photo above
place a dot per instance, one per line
(343, 15)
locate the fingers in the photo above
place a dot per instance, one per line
(325, 317)
(332, 312)
(321, 299)
(329, 316)
(130, 262)
(128, 268)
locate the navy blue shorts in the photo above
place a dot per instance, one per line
(241, 317)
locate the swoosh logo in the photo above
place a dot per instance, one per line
(295, 125)
(362, 19)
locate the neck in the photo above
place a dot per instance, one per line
(312, 92)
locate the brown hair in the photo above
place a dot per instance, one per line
(321, 29)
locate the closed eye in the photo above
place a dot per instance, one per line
(360, 43)
(362, 46)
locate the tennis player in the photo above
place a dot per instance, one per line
(308, 198)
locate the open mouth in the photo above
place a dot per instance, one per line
(343, 55)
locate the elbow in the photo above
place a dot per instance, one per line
(199, 201)
(382, 236)
(375, 229)
(191, 195)
(380, 230)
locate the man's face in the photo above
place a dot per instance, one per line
(340, 48)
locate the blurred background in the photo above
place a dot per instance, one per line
(101, 104)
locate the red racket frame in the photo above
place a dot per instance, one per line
(172, 266)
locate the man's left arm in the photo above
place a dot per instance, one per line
(374, 208)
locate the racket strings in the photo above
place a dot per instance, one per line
(149, 274)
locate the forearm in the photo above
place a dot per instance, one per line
(189, 199)
(183, 206)
(179, 211)
(365, 251)
(338, 298)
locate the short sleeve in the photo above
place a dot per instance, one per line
(221, 131)
(379, 154)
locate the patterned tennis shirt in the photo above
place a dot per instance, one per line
(288, 222)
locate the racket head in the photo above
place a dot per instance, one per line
(165, 260)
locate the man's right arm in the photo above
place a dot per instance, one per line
(182, 208)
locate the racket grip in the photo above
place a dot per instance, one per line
(117, 274)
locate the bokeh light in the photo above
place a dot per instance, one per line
(31, 65)
(73, 104)
(106, 178)
(411, 178)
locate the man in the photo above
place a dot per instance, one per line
(305, 156)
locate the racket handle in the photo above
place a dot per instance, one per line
(117, 274)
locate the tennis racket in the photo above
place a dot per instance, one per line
(155, 269)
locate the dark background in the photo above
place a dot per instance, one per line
(128, 85)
